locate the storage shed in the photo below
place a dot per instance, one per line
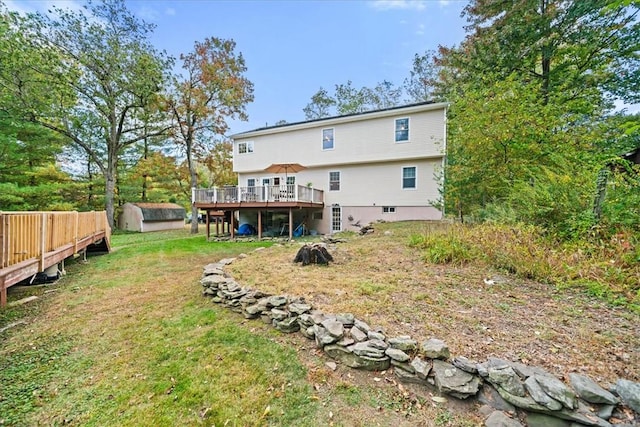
(145, 217)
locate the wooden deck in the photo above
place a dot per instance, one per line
(31, 242)
(258, 198)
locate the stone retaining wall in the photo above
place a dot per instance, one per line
(511, 393)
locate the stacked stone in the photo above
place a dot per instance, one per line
(507, 389)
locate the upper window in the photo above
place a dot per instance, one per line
(409, 177)
(251, 182)
(327, 139)
(402, 130)
(291, 180)
(334, 181)
(245, 147)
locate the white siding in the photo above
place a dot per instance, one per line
(361, 141)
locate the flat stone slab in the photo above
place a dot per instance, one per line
(346, 356)
(589, 391)
(404, 343)
(435, 349)
(453, 381)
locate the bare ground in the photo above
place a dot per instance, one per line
(478, 312)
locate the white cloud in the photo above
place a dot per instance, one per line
(170, 11)
(399, 4)
(147, 13)
(420, 30)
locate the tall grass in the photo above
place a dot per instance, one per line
(608, 269)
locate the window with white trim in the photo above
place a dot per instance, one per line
(245, 147)
(291, 180)
(409, 177)
(402, 130)
(388, 209)
(251, 182)
(334, 181)
(327, 139)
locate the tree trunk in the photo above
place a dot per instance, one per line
(109, 193)
(194, 184)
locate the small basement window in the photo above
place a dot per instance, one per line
(388, 209)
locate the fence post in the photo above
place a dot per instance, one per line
(43, 238)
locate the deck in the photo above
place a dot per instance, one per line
(273, 197)
(31, 242)
(266, 196)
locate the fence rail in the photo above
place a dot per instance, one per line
(258, 193)
(30, 242)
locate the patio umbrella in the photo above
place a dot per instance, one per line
(285, 168)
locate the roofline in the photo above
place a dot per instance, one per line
(328, 121)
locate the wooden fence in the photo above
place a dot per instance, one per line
(31, 242)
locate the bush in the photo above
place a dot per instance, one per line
(606, 268)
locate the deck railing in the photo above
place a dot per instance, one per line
(28, 235)
(31, 242)
(263, 193)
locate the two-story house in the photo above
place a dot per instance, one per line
(337, 173)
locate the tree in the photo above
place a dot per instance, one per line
(219, 165)
(531, 87)
(574, 50)
(421, 83)
(320, 106)
(89, 76)
(351, 100)
(29, 176)
(212, 90)
(385, 95)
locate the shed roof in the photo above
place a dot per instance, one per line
(161, 211)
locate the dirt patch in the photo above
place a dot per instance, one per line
(477, 311)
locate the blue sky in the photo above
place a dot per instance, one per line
(292, 48)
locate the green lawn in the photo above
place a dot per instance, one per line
(127, 339)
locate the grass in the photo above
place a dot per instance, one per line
(385, 279)
(608, 270)
(128, 340)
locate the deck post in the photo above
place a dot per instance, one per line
(232, 225)
(208, 225)
(3, 293)
(290, 224)
(259, 224)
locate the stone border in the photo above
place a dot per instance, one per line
(508, 390)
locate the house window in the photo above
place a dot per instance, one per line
(251, 182)
(409, 177)
(316, 215)
(334, 181)
(291, 180)
(402, 130)
(388, 209)
(327, 139)
(245, 147)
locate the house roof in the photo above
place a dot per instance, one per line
(161, 211)
(327, 121)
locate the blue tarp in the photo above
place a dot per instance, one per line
(246, 230)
